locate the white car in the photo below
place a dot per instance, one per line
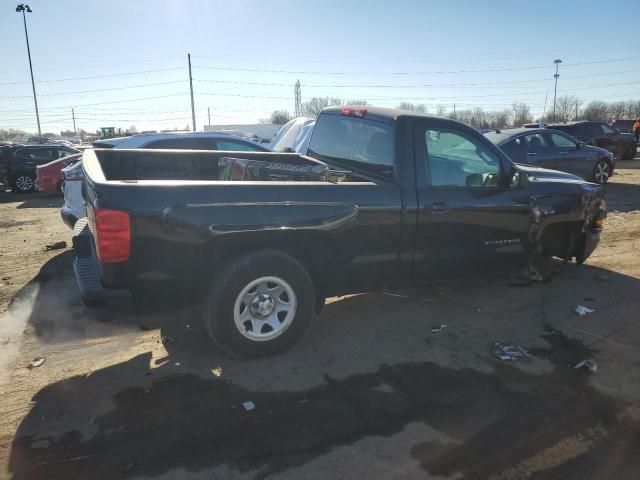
(294, 136)
(73, 207)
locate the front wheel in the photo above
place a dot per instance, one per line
(24, 183)
(260, 304)
(601, 172)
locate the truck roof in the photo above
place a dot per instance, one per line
(384, 114)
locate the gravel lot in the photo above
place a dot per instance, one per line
(369, 392)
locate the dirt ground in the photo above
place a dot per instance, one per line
(369, 392)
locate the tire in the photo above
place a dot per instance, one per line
(629, 152)
(60, 188)
(601, 172)
(24, 183)
(243, 316)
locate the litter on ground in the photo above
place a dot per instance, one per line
(509, 352)
(55, 246)
(590, 364)
(582, 310)
(248, 406)
(36, 362)
(438, 328)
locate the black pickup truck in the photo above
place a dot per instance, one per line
(384, 199)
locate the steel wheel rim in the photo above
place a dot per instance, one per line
(24, 183)
(264, 308)
(602, 172)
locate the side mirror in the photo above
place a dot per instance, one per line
(516, 178)
(580, 145)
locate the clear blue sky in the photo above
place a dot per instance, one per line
(380, 51)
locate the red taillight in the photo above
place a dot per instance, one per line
(112, 230)
(353, 112)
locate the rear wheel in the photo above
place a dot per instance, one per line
(260, 304)
(24, 183)
(601, 172)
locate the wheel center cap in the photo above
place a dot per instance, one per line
(262, 305)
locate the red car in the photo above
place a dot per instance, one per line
(49, 176)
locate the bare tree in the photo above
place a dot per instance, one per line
(421, 108)
(521, 114)
(441, 111)
(314, 106)
(132, 129)
(566, 108)
(633, 109)
(596, 111)
(617, 110)
(279, 117)
(498, 119)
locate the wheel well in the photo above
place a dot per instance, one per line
(309, 252)
(557, 239)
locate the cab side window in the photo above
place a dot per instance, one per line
(231, 145)
(562, 142)
(457, 160)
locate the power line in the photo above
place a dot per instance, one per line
(77, 92)
(99, 65)
(421, 85)
(94, 77)
(313, 72)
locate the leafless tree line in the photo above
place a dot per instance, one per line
(568, 108)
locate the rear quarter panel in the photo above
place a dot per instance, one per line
(347, 234)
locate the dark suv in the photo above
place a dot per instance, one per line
(599, 134)
(623, 126)
(18, 163)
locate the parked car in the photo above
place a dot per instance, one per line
(555, 150)
(623, 126)
(385, 199)
(49, 176)
(293, 136)
(187, 140)
(20, 162)
(73, 207)
(599, 134)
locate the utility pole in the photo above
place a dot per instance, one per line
(544, 110)
(209, 114)
(193, 108)
(454, 110)
(73, 115)
(297, 109)
(557, 61)
(576, 109)
(25, 9)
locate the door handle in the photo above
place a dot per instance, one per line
(531, 154)
(440, 207)
(563, 154)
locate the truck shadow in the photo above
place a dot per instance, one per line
(369, 366)
(32, 199)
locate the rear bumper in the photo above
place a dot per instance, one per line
(87, 271)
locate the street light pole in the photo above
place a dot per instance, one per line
(26, 9)
(557, 61)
